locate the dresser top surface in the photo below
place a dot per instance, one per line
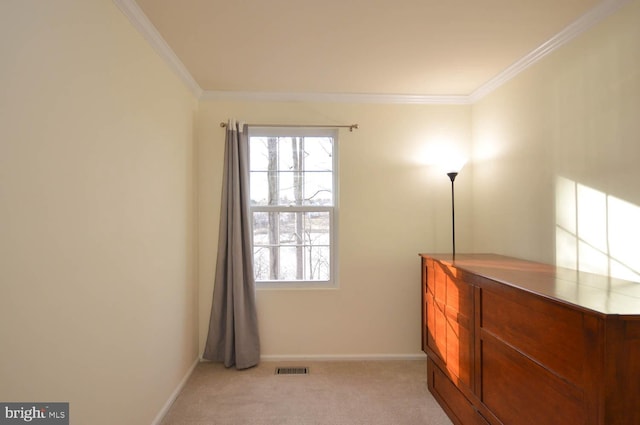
(602, 294)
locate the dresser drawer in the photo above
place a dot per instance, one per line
(451, 399)
(546, 332)
(519, 391)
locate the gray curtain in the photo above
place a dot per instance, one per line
(233, 328)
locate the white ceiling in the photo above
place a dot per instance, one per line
(362, 47)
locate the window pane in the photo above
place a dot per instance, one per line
(285, 194)
(261, 263)
(318, 153)
(260, 228)
(258, 154)
(288, 261)
(259, 188)
(289, 223)
(318, 228)
(285, 153)
(291, 170)
(296, 248)
(318, 188)
(318, 263)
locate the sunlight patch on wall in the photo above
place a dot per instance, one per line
(596, 232)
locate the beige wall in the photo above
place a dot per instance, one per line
(97, 219)
(392, 206)
(556, 155)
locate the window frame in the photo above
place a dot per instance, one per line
(302, 131)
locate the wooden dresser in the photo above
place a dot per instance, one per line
(513, 342)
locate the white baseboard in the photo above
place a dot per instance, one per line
(160, 416)
(340, 357)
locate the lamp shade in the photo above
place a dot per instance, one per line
(453, 164)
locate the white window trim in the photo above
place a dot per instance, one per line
(333, 282)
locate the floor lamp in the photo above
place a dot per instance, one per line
(452, 175)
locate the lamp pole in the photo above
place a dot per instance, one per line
(452, 176)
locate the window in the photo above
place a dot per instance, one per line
(293, 183)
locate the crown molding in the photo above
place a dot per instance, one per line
(140, 21)
(335, 98)
(577, 27)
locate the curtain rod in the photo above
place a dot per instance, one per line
(350, 127)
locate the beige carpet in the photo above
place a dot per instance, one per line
(334, 393)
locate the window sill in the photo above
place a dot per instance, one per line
(307, 285)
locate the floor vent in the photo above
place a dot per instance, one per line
(292, 371)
